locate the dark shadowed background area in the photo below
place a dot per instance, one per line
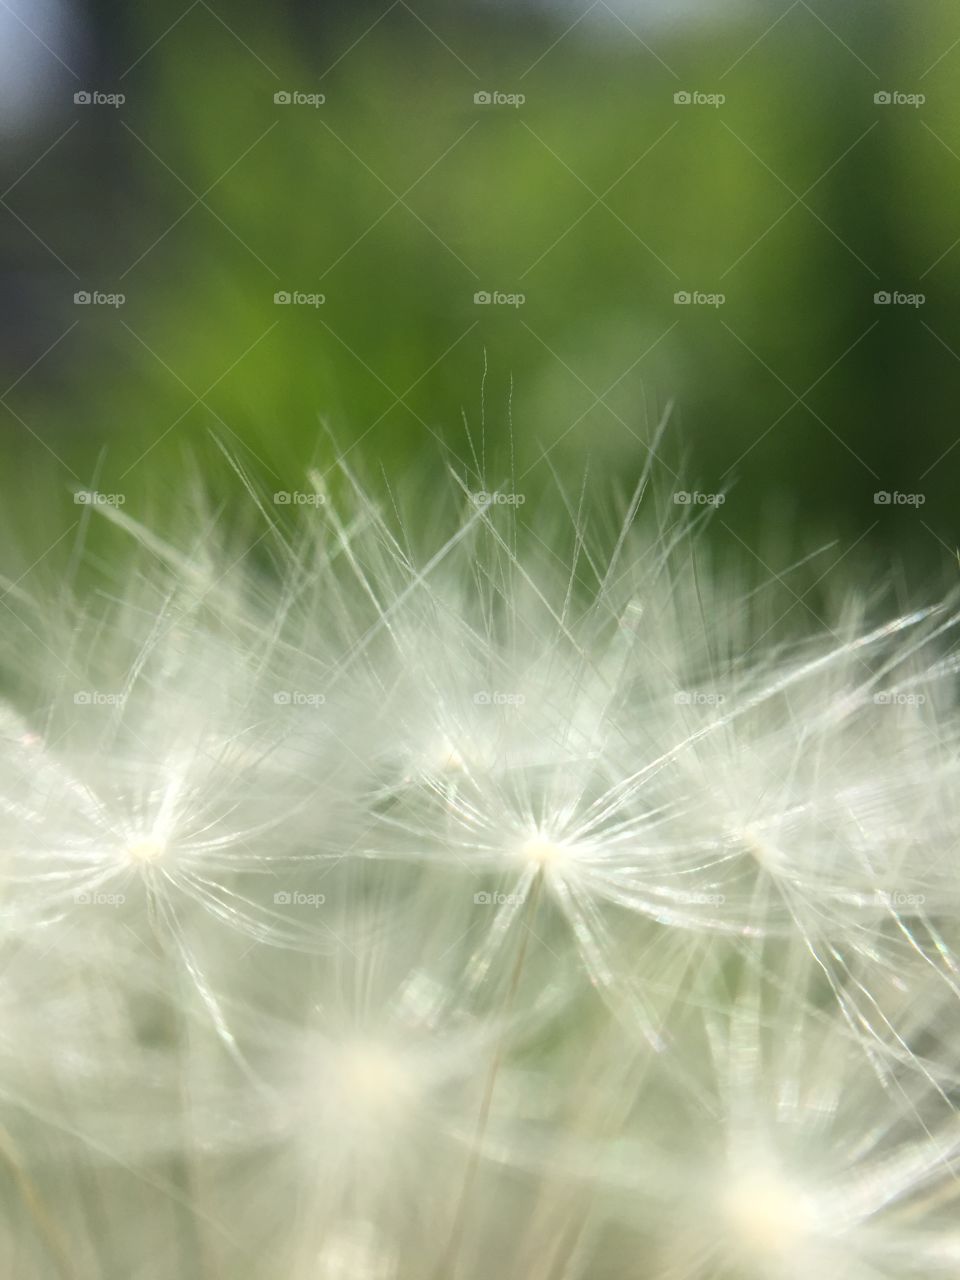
(500, 237)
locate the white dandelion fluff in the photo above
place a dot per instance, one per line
(804, 1161)
(526, 902)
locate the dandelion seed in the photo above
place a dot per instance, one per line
(514, 904)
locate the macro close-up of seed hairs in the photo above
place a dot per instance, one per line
(480, 602)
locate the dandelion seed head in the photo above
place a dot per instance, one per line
(145, 850)
(545, 852)
(448, 758)
(723, 1037)
(767, 1218)
(372, 1077)
(352, 1253)
(759, 846)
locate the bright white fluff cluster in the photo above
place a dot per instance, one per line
(514, 907)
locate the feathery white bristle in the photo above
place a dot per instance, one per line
(484, 909)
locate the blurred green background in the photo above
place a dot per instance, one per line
(599, 198)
